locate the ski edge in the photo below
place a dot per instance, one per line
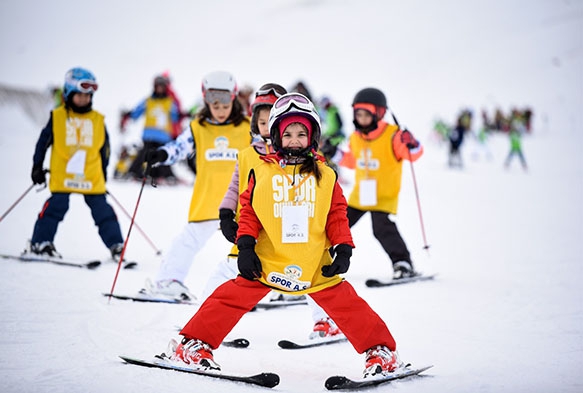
(288, 344)
(375, 283)
(340, 382)
(274, 305)
(31, 259)
(264, 379)
(148, 300)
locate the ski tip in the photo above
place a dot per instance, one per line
(93, 264)
(269, 380)
(425, 368)
(286, 344)
(241, 342)
(335, 382)
(371, 282)
(236, 343)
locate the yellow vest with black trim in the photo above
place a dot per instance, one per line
(157, 114)
(76, 164)
(217, 147)
(375, 159)
(293, 267)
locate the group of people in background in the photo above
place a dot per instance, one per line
(164, 119)
(516, 125)
(268, 180)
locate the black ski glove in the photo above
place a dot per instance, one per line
(38, 175)
(228, 225)
(155, 156)
(341, 263)
(248, 261)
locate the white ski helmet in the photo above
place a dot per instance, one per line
(293, 104)
(219, 80)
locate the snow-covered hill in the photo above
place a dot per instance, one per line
(506, 311)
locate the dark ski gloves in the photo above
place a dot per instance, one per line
(248, 261)
(228, 225)
(156, 156)
(38, 175)
(341, 263)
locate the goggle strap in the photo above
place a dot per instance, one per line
(270, 91)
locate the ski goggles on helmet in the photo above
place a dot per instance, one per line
(267, 92)
(220, 96)
(265, 97)
(289, 101)
(86, 86)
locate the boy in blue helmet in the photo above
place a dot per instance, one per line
(79, 158)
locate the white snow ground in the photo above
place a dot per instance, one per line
(506, 311)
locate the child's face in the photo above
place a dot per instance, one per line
(160, 88)
(263, 122)
(81, 99)
(221, 112)
(295, 137)
(363, 117)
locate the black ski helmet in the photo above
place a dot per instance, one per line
(377, 99)
(371, 95)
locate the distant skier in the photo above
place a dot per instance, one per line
(161, 113)
(456, 138)
(517, 129)
(79, 158)
(332, 131)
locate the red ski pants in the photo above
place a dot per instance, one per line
(226, 306)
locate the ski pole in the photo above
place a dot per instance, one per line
(158, 251)
(17, 202)
(425, 245)
(125, 244)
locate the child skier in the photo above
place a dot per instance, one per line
(517, 129)
(79, 159)
(218, 133)
(376, 152)
(249, 157)
(161, 113)
(293, 217)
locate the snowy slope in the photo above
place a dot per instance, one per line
(504, 315)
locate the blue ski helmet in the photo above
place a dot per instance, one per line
(79, 80)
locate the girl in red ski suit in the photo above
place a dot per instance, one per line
(272, 257)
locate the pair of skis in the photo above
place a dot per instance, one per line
(270, 380)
